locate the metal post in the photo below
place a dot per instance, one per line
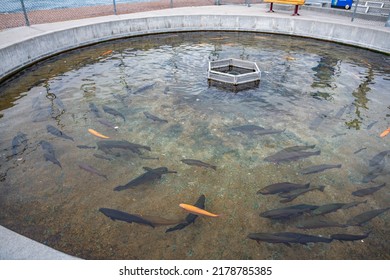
(387, 24)
(171, 3)
(354, 11)
(114, 3)
(25, 13)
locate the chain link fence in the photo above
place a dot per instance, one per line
(238, 2)
(14, 13)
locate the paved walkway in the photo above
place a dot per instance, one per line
(14, 35)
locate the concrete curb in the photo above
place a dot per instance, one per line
(41, 41)
(17, 247)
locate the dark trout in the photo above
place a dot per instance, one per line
(283, 187)
(56, 132)
(287, 237)
(125, 217)
(113, 112)
(368, 191)
(319, 168)
(198, 163)
(149, 176)
(200, 203)
(154, 118)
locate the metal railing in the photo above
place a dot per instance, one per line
(376, 8)
(14, 13)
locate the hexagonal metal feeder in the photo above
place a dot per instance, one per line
(234, 74)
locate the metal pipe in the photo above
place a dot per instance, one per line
(354, 11)
(114, 3)
(25, 13)
(171, 3)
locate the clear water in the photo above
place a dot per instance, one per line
(304, 85)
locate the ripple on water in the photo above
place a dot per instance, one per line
(319, 93)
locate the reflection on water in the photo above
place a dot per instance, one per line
(172, 138)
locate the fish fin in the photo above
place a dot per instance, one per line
(286, 200)
(120, 188)
(177, 227)
(147, 168)
(368, 232)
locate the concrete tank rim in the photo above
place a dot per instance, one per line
(244, 19)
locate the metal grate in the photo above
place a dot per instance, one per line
(371, 12)
(234, 73)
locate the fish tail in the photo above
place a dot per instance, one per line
(385, 132)
(119, 188)
(321, 188)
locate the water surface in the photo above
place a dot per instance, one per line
(332, 96)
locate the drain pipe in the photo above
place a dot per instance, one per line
(25, 13)
(114, 3)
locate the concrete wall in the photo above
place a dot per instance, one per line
(69, 35)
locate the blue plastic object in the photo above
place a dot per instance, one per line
(346, 4)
